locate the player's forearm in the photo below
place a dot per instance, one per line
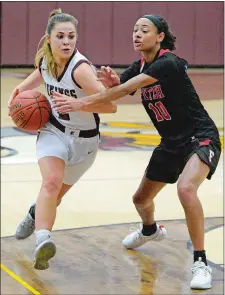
(101, 108)
(108, 95)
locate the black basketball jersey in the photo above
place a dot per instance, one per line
(172, 103)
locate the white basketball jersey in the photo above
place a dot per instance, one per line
(65, 84)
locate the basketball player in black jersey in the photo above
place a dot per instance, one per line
(190, 146)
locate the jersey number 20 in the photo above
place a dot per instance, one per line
(160, 111)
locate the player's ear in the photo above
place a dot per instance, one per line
(161, 36)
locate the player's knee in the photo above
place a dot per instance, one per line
(52, 185)
(186, 192)
(140, 200)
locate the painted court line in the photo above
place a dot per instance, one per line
(18, 279)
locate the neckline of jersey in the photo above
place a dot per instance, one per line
(66, 66)
(159, 53)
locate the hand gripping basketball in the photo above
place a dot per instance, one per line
(29, 110)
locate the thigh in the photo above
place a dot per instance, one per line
(208, 151)
(164, 166)
(49, 144)
(74, 172)
(52, 168)
(194, 172)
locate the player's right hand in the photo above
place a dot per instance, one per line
(108, 77)
(12, 96)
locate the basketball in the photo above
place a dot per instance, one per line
(30, 110)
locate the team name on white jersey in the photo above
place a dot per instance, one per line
(65, 84)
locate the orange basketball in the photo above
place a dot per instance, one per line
(30, 110)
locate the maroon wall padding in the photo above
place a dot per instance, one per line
(97, 32)
(125, 14)
(209, 29)
(105, 29)
(183, 27)
(14, 26)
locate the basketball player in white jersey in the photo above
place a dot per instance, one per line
(67, 145)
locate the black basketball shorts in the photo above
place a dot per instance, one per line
(166, 165)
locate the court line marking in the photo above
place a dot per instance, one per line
(18, 279)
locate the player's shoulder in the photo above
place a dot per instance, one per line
(167, 56)
(170, 60)
(77, 56)
(170, 57)
(80, 59)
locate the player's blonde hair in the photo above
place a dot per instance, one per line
(56, 16)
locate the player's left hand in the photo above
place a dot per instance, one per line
(108, 77)
(65, 104)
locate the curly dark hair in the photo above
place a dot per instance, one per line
(169, 40)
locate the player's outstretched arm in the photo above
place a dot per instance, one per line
(63, 104)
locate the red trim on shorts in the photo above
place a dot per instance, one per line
(205, 142)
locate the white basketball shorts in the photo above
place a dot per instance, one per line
(78, 153)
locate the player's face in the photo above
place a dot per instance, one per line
(63, 40)
(145, 35)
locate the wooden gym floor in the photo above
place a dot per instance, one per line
(98, 212)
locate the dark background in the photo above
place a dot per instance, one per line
(105, 30)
